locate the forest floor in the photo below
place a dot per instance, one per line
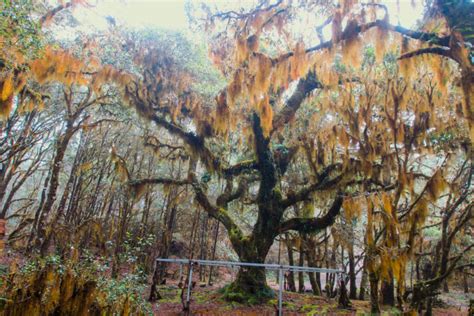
(209, 301)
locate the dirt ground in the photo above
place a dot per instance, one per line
(208, 301)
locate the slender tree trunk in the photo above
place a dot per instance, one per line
(54, 182)
(374, 293)
(62, 203)
(203, 246)
(465, 283)
(166, 240)
(301, 263)
(445, 287)
(291, 262)
(38, 212)
(311, 259)
(214, 248)
(352, 274)
(120, 237)
(363, 280)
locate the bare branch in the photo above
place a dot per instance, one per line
(442, 51)
(158, 181)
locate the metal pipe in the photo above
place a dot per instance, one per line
(190, 283)
(250, 264)
(280, 291)
(279, 269)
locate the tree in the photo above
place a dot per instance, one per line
(258, 80)
(289, 136)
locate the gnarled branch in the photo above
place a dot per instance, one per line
(304, 193)
(307, 225)
(220, 214)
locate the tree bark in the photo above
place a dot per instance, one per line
(363, 281)
(291, 262)
(352, 274)
(388, 292)
(464, 282)
(214, 248)
(301, 274)
(250, 285)
(53, 182)
(374, 293)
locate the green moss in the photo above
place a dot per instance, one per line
(233, 293)
(169, 294)
(277, 194)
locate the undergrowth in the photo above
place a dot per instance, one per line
(53, 286)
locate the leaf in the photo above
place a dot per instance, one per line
(387, 203)
(120, 165)
(7, 89)
(266, 115)
(241, 52)
(6, 107)
(436, 185)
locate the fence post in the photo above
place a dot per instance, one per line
(280, 291)
(190, 284)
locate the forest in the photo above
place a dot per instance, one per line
(330, 134)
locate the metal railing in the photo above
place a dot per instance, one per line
(280, 268)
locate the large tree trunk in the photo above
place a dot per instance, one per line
(250, 285)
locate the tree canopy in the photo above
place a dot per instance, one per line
(282, 120)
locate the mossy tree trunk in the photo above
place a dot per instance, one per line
(266, 170)
(270, 220)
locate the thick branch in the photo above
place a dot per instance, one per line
(304, 193)
(307, 225)
(303, 89)
(228, 196)
(266, 164)
(350, 33)
(50, 14)
(220, 214)
(429, 50)
(240, 167)
(194, 141)
(158, 181)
